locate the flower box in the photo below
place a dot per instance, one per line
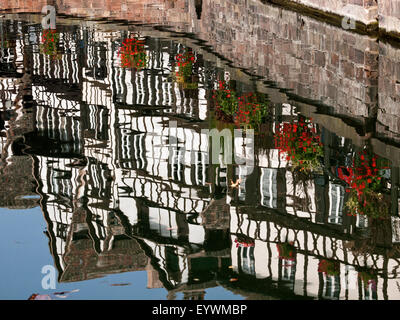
(286, 251)
(329, 267)
(299, 143)
(132, 54)
(246, 111)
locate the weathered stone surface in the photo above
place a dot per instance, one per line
(389, 92)
(216, 215)
(364, 11)
(389, 15)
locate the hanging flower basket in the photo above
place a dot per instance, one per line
(184, 74)
(329, 267)
(132, 54)
(368, 277)
(245, 111)
(244, 241)
(50, 40)
(185, 62)
(299, 143)
(286, 251)
(366, 188)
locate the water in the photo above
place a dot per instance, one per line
(89, 187)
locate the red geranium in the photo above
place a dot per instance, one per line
(299, 142)
(132, 53)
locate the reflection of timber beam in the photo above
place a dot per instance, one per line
(263, 289)
(296, 223)
(140, 107)
(220, 253)
(155, 237)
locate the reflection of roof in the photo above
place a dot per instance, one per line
(17, 183)
(84, 263)
(216, 215)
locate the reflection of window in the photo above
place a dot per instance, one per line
(177, 164)
(336, 199)
(60, 183)
(126, 144)
(221, 177)
(395, 229)
(201, 167)
(268, 187)
(99, 186)
(331, 289)
(172, 264)
(97, 121)
(112, 219)
(62, 230)
(133, 150)
(288, 269)
(96, 60)
(164, 222)
(242, 185)
(139, 145)
(362, 221)
(247, 255)
(370, 290)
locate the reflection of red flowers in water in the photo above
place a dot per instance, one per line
(244, 243)
(365, 185)
(286, 251)
(185, 63)
(226, 102)
(132, 53)
(364, 174)
(368, 277)
(49, 35)
(329, 267)
(49, 39)
(249, 109)
(299, 142)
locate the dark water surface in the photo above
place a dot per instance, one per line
(88, 185)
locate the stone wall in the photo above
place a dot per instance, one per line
(311, 59)
(389, 15)
(23, 5)
(365, 11)
(155, 11)
(387, 12)
(147, 11)
(389, 92)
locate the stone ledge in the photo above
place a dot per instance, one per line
(369, 26)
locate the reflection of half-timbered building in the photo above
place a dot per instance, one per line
(17, 186)
(275, 212)
(105, 174)
(122, 189)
